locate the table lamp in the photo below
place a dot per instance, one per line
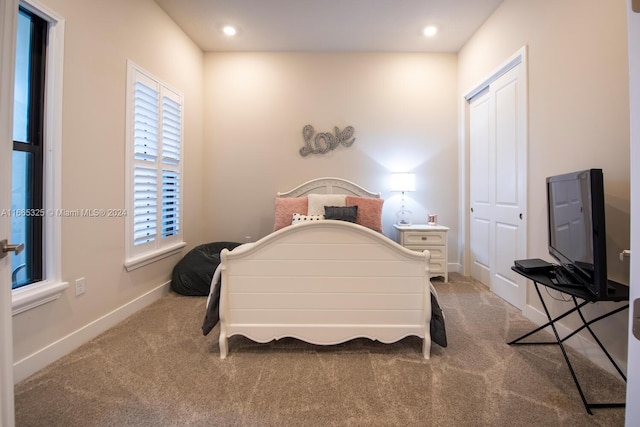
(403, 182)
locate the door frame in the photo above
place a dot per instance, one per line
(519, 57)
(9, 14)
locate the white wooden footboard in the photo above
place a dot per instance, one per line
(325, 283)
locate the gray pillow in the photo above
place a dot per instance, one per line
(342, 213)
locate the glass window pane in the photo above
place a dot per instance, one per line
(21, 90)
(21, 223)
(27, 183)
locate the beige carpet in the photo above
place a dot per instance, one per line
(156, 369)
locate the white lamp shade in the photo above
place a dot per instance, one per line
(403, 182)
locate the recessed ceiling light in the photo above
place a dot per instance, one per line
(430, 30)
(229, 30)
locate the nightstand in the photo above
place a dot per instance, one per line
(419, 237)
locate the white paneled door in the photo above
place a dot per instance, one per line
(497, 187)
(633, 367)
(8, 18)
(480, 135)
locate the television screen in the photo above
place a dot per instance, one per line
(577, 237)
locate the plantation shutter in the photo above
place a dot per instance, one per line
(171, 137)
(145, 201)
(145, 154)
(156, 144)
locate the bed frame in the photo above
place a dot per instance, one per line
(325, 282)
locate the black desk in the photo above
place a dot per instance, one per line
(619, 293)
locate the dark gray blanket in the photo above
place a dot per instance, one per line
(438, 332)
(212, 316)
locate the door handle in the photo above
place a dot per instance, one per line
(5, 248)
(471, 210)
(625, 254)
(636, 318)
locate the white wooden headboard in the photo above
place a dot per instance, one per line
(329, 185)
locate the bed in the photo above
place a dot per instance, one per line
(324, 279)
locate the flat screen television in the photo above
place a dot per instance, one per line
(577, 235)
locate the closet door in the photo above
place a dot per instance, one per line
(497, 171)
(481, 135)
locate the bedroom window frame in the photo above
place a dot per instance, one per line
(50, 287)
(155, 127)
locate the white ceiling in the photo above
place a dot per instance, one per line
(329, 25)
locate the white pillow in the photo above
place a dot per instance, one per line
(299, 218)
(317, 202)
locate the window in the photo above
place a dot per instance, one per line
(154, 147)
(36, 163)
(27, 209)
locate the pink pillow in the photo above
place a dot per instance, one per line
(369, 211)
(286, 207)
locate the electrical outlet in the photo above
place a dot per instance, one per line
(80, 286)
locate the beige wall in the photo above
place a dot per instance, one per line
(578, 111)
(100, 36)
(402, 106)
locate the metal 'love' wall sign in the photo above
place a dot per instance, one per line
(324, 142)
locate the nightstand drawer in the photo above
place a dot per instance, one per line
(437, 252)
(437, 266)
(415, 238)
(433, 238)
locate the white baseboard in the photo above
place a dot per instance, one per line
(49, 354)
(585, 346)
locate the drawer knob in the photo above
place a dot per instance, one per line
(424, 237)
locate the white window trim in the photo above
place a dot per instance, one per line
(141, 261)
(134, 258)
(49, 289)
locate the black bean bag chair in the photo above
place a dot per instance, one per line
(193, 273)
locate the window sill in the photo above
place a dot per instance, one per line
(137, 262)
(31, 296)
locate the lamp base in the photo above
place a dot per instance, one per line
(404, 217)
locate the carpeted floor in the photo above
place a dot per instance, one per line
(156, 369)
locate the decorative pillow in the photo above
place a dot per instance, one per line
(285, 207)
(369, 211)
(299, 219)
(317, 202)
(342, 213)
